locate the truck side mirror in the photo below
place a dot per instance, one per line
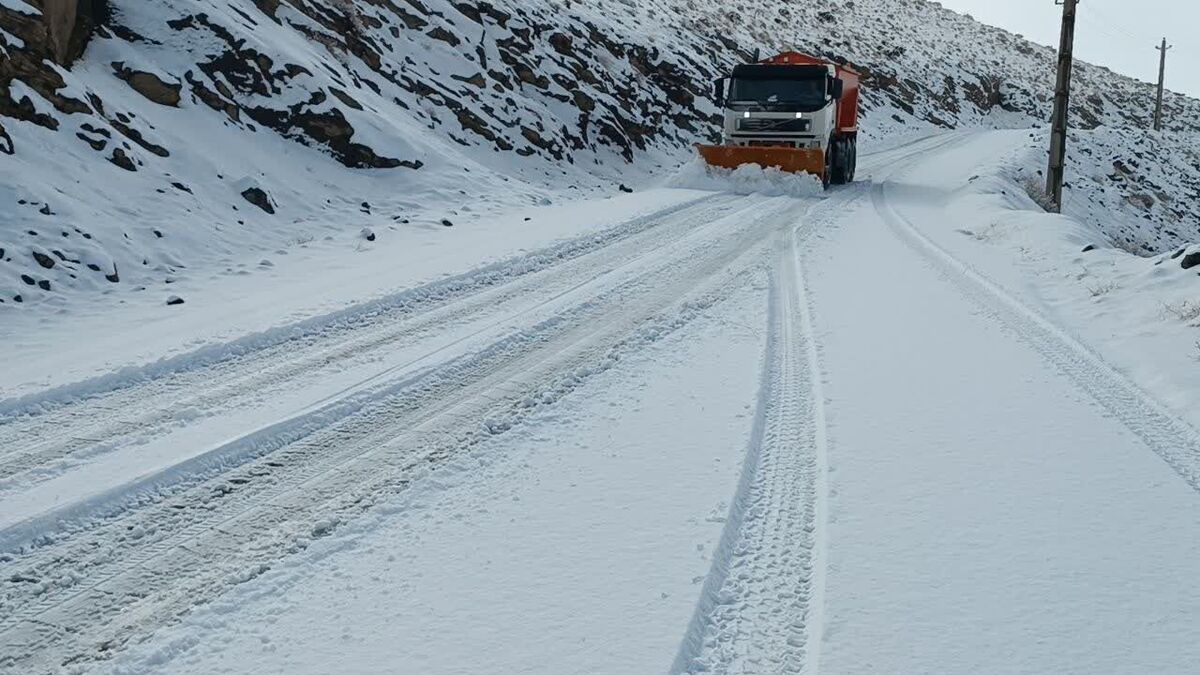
(836, 87)
(719, 91)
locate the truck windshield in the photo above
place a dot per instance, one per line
(792, 95)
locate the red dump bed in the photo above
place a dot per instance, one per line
(848, 105)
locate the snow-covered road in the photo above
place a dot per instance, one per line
(726, 433)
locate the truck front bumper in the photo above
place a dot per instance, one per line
(790, 159)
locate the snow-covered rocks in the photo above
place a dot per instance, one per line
(1188, 257)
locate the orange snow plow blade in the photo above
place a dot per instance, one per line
(792, 160)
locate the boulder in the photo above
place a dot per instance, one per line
(150, 86)
(258, 197)
(70, 24)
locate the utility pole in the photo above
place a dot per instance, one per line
(1062, 100)
(1162, 78)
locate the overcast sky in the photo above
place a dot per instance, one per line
(1120, 34)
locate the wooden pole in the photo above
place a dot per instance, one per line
(1162, 78)
(1062, 101)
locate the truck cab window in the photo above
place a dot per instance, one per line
(804, 95)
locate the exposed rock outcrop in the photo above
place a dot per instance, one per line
(70, 24)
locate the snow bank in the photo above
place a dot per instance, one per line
(1088, 269)
(748, 179)
(1137, 188)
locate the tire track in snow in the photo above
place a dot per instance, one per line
(145, 568)
(46, 445)
(1172, 439)
(760, 608)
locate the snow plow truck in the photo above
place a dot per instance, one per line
(791, 111)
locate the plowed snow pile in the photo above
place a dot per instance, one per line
(748, 179)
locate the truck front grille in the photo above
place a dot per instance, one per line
(767, 124)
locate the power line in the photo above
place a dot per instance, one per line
(1111, 24)
(1117, 33)
(1097, 17)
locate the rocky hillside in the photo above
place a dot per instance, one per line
(141, 140)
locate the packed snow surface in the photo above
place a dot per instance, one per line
(359, 336)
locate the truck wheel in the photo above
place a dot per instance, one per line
(853, 160)
(830, 162)
(838, 164)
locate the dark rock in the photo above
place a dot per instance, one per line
(44, 284)
(114, 277)
(477, 79)
(268, 7)
(6, 142)
(122, 160)
(99, 131)
(70, 25)
(1089, 247)
(136, 136)
(43, 260)
(174, 300)
(562, 43)
(29, 281)
(1190, 260)
(329, 128)
(259, 198)
(446, 222)
(439, 33)
(624, 188)
(368, 234)
(346, 98)
(584, 102)
(98, 144)
(150, 86)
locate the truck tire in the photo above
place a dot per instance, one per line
(853, 158)
(839, 165)
(841, 172)
(830, 162)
